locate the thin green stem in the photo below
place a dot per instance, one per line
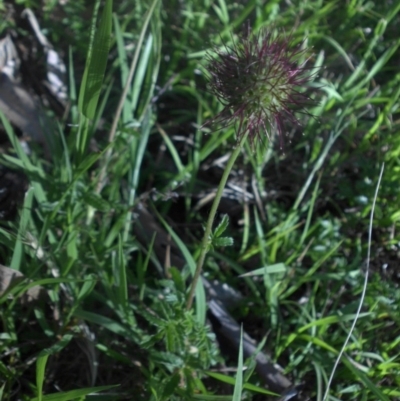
(207, 233)
(127, 88)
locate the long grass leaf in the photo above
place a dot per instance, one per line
(237, 392)
(40, 370)
(201, 304)
(73, 394)
(96, 64)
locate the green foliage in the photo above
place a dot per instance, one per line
(93, 74)
(96, 62)
(237, 392)
(296, 233)
(216, 239)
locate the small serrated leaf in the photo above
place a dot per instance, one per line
(223, 241)
(221, 226)
(167, 358)
(177, 278)
(152, 318)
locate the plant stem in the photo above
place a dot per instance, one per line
(207, 233)
(127, 88)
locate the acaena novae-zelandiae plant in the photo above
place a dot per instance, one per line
(260, 81)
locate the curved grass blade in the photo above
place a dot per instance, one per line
(96, 64)
(237, 392)
(73, 394)
(201, 304)
(93, 75)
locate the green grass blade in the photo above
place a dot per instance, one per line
(201, 304)
(40, 370)
(140, 72)
(137, 150)
(103, 321)
(23, 227)
(230, 380)
(96, 64)
(93, 76)
(310, 213)
(124, 67)
(237, 392)
(374, 388)
(132, 70)
(276, 268)
(73, 394)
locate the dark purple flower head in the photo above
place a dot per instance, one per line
(258, 81)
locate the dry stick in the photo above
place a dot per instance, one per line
(364, 288)
(122, 99)
(211, 217)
